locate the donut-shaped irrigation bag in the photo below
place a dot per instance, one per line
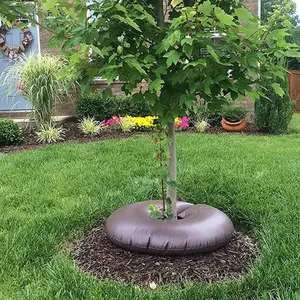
(199, 228)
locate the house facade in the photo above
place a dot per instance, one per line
(14, 105)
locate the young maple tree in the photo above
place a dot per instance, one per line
(184, 49)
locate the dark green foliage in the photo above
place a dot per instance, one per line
(267, 8)
(10, 132)
(274, 113)
(101, 108)
(234, 113)
(294, 62)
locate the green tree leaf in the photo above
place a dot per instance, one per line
(132, 62)
(145, 15)
(292, 53)
(188, 50)
(175, 3)
(243, 14)
(277, 88)
(128, 21)
(206, 8)
(121, 8)
(172, 57)
(212, 52)
(156, 84)
(187, 100)
(223, 17)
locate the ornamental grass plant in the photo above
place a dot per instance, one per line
(50, 134)
(41, 80)
(89, 126)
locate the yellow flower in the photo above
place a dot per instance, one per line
(142, 121)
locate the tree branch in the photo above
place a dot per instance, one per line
(31, 20)
(159, 8)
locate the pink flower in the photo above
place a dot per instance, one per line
(185, 122)
(182, 122)
(111, 122)
(20, 86)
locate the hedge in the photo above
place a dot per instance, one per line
(101, 108)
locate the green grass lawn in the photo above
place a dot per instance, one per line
(49, 195)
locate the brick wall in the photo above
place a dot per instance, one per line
(253, 6)
(67, 106)
(100, 85)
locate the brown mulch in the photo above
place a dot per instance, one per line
(95, 254)
(74, 135)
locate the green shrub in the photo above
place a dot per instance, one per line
(233, 113)
(95, 105)
(274, 113)
(201, 112)
(10, 132)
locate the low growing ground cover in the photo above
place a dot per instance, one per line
(48, 196)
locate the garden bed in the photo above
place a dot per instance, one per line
(73, 134)
(95, 254)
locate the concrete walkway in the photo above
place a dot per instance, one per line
(23, 122)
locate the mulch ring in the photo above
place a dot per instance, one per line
(73, 134)
(95, 254)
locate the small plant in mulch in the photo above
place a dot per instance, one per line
(50, 134)
(201, 126)
(89, 126)
(126, 124)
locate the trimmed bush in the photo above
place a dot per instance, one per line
(95, 105)
(274, 113)
(10, 132)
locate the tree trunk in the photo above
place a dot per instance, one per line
(159, 9)
(171, 189)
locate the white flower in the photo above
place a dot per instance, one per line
(201, 126)
(153, 285)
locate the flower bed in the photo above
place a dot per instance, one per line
(147, 123)
(73, 133)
